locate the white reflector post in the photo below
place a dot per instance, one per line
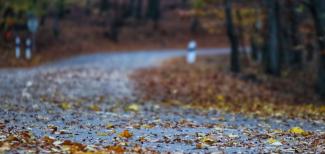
(17, 51)
(28, 50)
(191, 52)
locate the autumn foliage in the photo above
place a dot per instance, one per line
(209, 84)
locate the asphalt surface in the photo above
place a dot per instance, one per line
(82, 95)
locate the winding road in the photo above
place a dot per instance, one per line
(82, 95)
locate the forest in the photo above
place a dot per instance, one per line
(162, 76)
(281, 35)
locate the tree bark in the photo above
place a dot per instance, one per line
(153, 11)
(138, 10)
(233, 39)
(254, 48)
(104, 6)
(256, 37)
(241, 35)
(273, 53)
(296, 50)
(317, 8)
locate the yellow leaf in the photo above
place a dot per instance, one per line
(94, 108)
(322, 109)
(296, 130)
(233, 136)
(274, 142)
(207, 140)
(271, 140)
(65, 106)
(220, 98)
(126, 134)
(133, 107)
(147, 126)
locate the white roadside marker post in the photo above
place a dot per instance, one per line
(32, 25)
(17, 50)
(28, 50)
(191, 53)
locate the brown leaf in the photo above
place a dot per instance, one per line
(126, 134)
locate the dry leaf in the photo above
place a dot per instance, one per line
(273, 141)
(4, 147)
(296, 130)
(94, 107)
(109, 126)
(126, 134)
(115, 149)
(133, 107)
(65, 106)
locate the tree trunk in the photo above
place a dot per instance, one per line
(256, 37)
(104, 6)
(195, 24)
(61, 8)
(254, 48)
(59, 15)
(318, 10)
(273, 53)
(116, 22)
(241, 34)
(153, 11)
(131, 8)
(296, 50)
(138, 10)
(234, 60)
(88, 7)
(286, 33)
(184, 4)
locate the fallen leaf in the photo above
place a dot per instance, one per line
(208, 140)
(233, 136)
(103, 134)
(4, 147)
(218, 128)
(73, 147)
(133, 107)
(65, 106)
(91, 148)
(126, 134)
(199, 146)
(148, 126)
(273, 141)
(296, 130)
(115, 149)
(57, 143)
(52, 128)
(109, 126)
(220, 98)
(48, 140)
(94, 107)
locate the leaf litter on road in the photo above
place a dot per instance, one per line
(204, 115)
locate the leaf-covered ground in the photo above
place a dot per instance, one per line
(209, 84)
(91, 105)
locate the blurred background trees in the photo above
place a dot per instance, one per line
(283, 35)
